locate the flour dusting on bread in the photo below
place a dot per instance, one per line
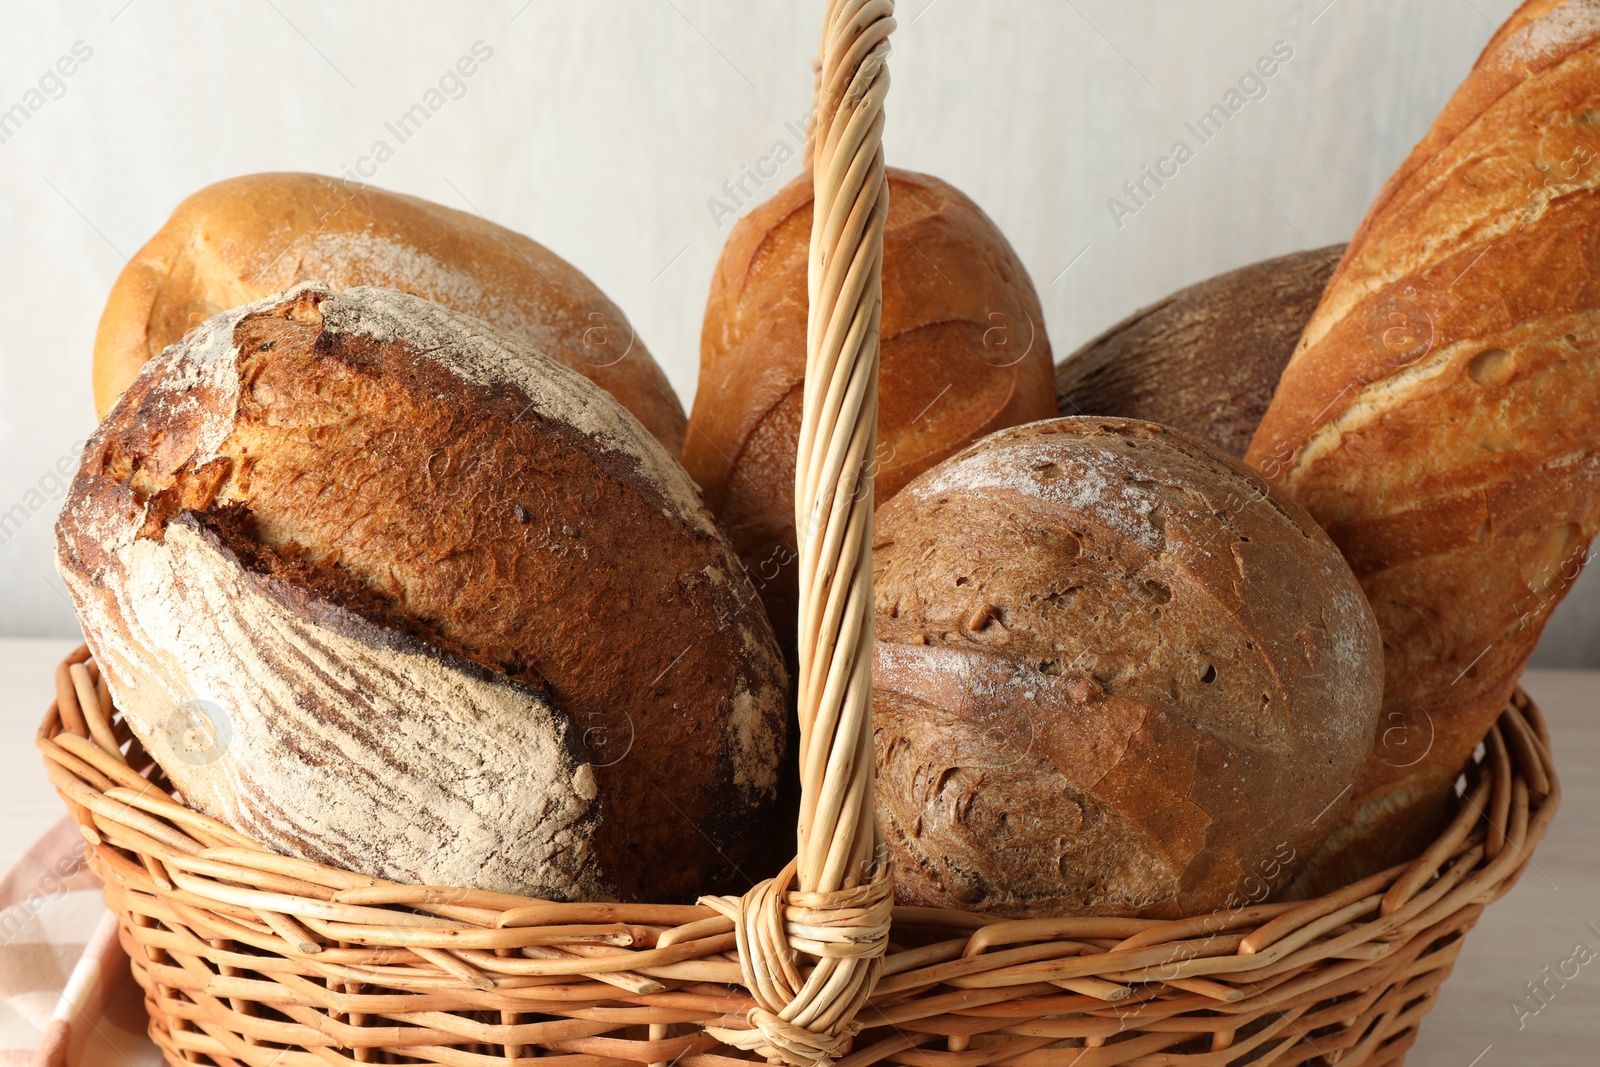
(461, 610)
(492, 778)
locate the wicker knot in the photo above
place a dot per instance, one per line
(805, 1014)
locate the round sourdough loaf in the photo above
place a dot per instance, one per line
(248, 237)
(964, 353)
(1114, 675)
(441, 610)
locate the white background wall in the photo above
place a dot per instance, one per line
(603, 128)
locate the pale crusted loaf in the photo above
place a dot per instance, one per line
(247, 237)
(465, 621)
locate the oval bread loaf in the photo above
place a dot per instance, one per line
(1113, 675)
(964, 353)
(460, 618)
(247, 237)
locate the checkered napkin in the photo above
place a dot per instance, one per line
(66, 996)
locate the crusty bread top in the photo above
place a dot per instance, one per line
(245, 238)
(1459, 224)
(1440, 190)
(436, 477)
(963, 342)
(1133, 504)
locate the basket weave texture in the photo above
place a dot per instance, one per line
(248, 957)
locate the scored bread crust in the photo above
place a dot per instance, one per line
(1205, 360)
(463, 618)
(1113, 675)
(1439, 414)
(963, 353)
(245, 238)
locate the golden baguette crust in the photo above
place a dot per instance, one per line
(964, 353)
(245, 238)
(1441, 415)
(1205, 360)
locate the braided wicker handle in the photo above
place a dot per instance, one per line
(839, 916)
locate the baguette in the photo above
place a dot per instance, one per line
(1441, 415)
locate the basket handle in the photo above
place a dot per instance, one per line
(845, 887)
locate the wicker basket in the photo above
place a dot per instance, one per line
(250, 957)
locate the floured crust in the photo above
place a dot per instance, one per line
(348, 485)
(963, 353)
(242, 239)
(343, 744)
(1205, 360)
(1439, 415)
(1113, 676)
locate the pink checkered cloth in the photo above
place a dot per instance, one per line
(66, 997)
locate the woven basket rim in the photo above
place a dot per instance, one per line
(166, 865)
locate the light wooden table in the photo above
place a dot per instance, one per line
(1540, 924)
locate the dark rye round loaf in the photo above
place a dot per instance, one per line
(1114, 675)
(452, 615)
(1205, 360)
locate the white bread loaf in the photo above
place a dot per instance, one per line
(248, 237)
